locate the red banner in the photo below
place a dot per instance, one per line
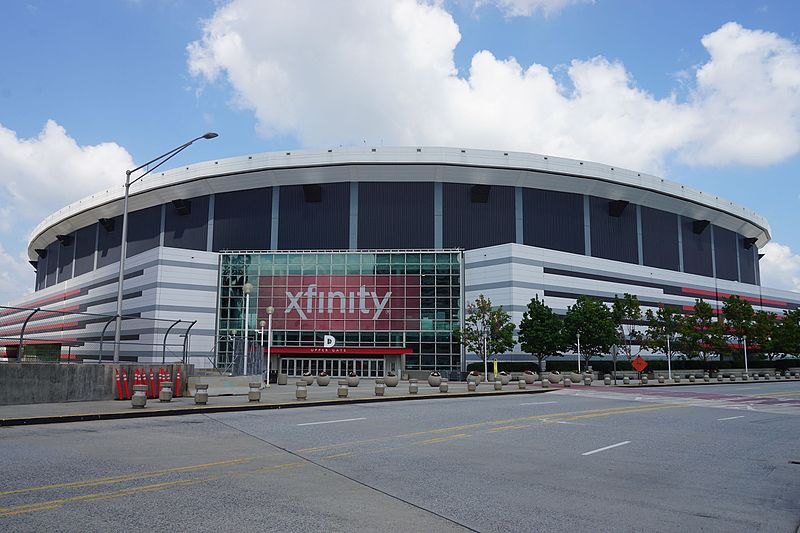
(341, 302)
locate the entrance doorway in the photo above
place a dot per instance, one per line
(363, 367)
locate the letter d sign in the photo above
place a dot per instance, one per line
(329, 341)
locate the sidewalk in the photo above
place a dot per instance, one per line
(283, 397)
(273, 397)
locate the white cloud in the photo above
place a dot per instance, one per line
(40, 175)
(526, 8)
(333, 73)
(780, 267)
(16, 275)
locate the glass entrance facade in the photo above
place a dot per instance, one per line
(391, 299)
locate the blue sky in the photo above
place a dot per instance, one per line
(704, 93)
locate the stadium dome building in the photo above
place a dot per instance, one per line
(379, 248)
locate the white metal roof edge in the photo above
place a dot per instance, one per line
(412, 155)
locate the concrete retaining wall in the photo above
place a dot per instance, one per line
(23, 383)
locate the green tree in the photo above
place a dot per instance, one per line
(540, 331)
(663, 327)
(627, 314)
(787, 333)
(699, 335)
(738, 322)
(593, 321)
(487, 331)
(763, 339)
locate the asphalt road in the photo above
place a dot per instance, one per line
(722, 458)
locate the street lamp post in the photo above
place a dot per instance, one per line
(744, 342)
(163, 158)
(248, 288)
(579, 352)
(270, 311)
(669, 360)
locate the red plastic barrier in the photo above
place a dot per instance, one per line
(125, 383)
(152, 384)
(119, 385)
(177, 381)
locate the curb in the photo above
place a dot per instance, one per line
(195, 410)
(699, 383)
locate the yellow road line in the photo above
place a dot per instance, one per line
(39, 506)
(334, 456)
(130, 491)
(438, 440)
(549, 420)
(128, 477)
(503, 428)
(474, 425)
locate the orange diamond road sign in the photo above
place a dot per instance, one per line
(639, 364)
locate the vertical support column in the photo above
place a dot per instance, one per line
(587, 227)
(437, 214)
(353, 215)
(75, 252)
(639, 243)
(519, 215)
(276, 207)
(162, 226)
(713, 253)
(210, 236)
(96, 246)
(680, 243)
(738, 265)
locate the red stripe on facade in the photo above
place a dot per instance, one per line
(47, 328)
(39, 316)
(720, 295)
(42, 301)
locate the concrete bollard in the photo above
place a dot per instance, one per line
(521, 384)
(755, 376)
(626, 380)
(733, 378)
(706, 378)
(139, 398)
(745, 377)
(472, 386)
(607, 380)
(201, 394)
(691, 378)
(587, 380)
(498, 385)
(777, 375)
(413, 388)
(661, 379)
(720, 377)
(766, 376)
(165, 394)
(301, 393)
(644, 379)
(676, 378)
(342, 389)
(254, 394)
(545, 383)
(283, 379)
(567, 382)
(443, 386)
(380, 387)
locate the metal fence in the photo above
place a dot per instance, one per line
(70, 335)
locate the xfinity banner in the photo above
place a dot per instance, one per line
(341, 303)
